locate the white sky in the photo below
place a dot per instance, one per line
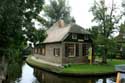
(80, 10)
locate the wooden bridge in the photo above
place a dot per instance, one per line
(120, 73)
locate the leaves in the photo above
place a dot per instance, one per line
(56, 10)
(107, 22)
(14, 16)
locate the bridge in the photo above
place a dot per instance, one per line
(120, 73)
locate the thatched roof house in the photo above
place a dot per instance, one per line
(65, 43)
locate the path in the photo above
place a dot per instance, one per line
(45, 62)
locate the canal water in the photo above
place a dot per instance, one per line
(26, 74)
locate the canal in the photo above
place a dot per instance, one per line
(26, 74)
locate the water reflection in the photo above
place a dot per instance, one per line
(13, 72)
(45, 77)
(27, 75)
(122, 77)
(23, 73)
(20, 73)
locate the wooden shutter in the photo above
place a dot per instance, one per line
(77, 49)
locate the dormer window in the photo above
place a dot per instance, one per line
(86, 37)
(74, 36)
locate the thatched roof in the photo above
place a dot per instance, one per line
(58, 31)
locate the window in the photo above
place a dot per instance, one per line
(70, 50)
(39, 51)
(74, 36)
(43, 51)
(56, 52)
(35, 50)
(86, 37)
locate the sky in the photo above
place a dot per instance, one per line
(80, 9)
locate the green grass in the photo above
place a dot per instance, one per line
(79, 68)
(94, 68)
(88, 69)
(116, 62)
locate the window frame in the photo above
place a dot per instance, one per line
(86, 37)
(74, 36)
(35, 50)
(43, 51)
(68, 49)
(56, 51)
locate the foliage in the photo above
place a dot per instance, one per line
(121, 42)
(14, 71)
(107, 21)
(37, 36)
(56, 10)
(15, 22)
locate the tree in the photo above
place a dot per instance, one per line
(56, 10)
(121, 41)
(37, 36)
(15, 22)
(106, 20)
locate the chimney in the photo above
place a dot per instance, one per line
(61, 23)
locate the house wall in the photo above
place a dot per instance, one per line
(77, 59)
(80, 38)
(49, 55)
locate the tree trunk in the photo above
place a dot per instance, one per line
(93, 50)
(3, 59)
(104, 57)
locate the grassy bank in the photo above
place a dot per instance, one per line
(79, 68)
(40, 65)
(94, 68)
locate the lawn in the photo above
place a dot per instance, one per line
(93, 68)
(79, 68)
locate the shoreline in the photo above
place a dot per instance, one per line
(59, 70)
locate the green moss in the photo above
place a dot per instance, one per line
(79, 68)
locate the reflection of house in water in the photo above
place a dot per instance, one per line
(47, 77)
(65, 43)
